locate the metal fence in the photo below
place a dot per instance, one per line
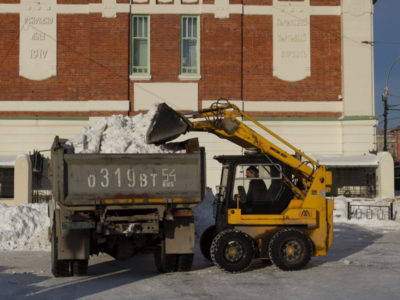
(366, 211)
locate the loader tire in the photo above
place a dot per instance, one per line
(185, 262)
(165, 263)
(232, 250)
(59, 268)
(206, 240)
(80, 267)
(290, 249)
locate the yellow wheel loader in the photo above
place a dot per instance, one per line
(270, 204)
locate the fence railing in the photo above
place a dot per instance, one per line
(382, 212)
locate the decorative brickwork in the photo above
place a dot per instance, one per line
(325, 81)
(236, 58)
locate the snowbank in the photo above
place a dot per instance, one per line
(117, 134)
(24, 227)
(204, 213)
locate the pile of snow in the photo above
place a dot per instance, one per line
(204, 213)
(24, 227)
(117, 134)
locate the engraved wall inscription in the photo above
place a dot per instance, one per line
(291, 42)
(38, 39)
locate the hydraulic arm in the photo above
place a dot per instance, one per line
(222, 119)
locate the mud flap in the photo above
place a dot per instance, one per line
(179, 236)
(72, 244)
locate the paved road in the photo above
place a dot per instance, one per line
(362, 264)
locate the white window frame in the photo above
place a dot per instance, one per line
(185, 34)
(136, 73)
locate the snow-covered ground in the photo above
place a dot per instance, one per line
(363, 262)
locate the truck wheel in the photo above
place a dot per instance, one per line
(232, 250)
(165, 263)
(185, 262)
(290, 249)
(80, 267)
(59, 268)
(206, 240)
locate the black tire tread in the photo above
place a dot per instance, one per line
(206, 240)
(285, 234)
(217, 258)
(165, 263)
(80, 267)
(185, 262)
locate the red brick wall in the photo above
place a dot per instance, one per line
(165, 47)
(92, 60)
(257, 2)
(325, 81)
(325, 2)
(220, 58)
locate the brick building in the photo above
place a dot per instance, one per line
(300, 67)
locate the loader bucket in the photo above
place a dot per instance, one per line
(167, 124)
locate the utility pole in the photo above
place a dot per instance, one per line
(385, 104)
(385, 117)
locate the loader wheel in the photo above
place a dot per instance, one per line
(206, 240)
(232, 251)
(185, 262)
(80, 267)
(290, 249)
(59, 268)
(165, 263)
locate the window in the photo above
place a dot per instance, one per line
(258, 189)
(190, 45)
(140, 44)
(6, 182)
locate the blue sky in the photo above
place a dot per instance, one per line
(387, 48)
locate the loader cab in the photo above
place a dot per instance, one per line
(253, 184)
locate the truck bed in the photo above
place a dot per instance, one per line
(87, 179)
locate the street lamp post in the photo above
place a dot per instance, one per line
(385, 104)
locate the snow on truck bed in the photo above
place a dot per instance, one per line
(117, 134)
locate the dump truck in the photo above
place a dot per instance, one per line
(287, 219)
(124, 204)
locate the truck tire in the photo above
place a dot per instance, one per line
(59, 268)
(206, 240)
(232, 250)
(185, 262)
(165, 263)
(290, 249)
(80, 267)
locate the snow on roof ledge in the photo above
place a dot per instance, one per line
(8, 160)
(348, 160)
